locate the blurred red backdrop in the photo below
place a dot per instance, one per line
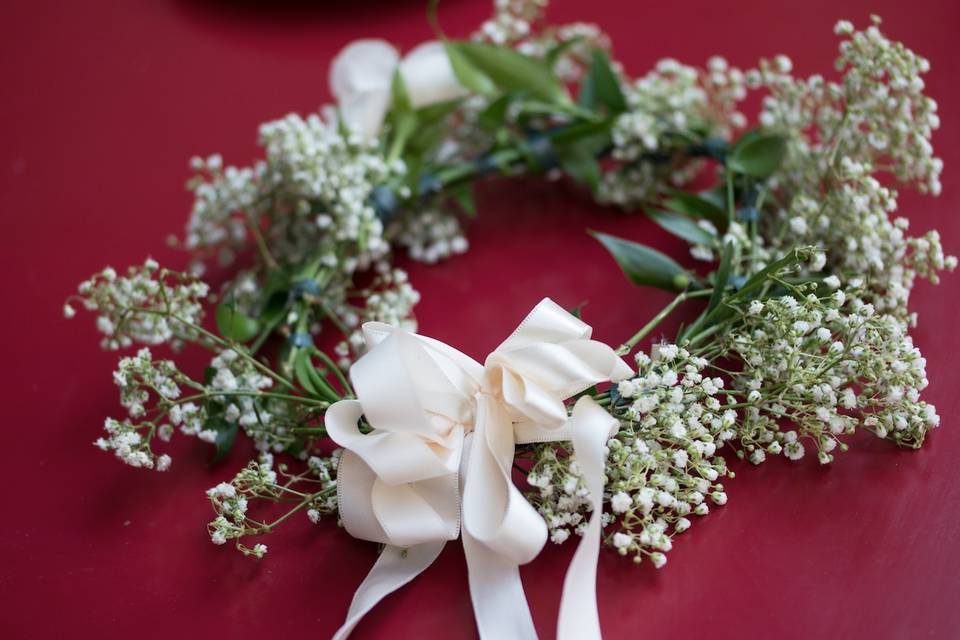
(103, 104)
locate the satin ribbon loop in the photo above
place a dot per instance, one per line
(441, 450)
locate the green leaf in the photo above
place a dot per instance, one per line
(721, 277)
(757, 154)
(414, 171)
(645, 266)
(300, 364)
(275, 296)
(311, 379)
(591, 391)
(747, 136)
(601, 86)
(467, 73)
(208, 375)
(226, 436)
(399, 94)
(431, 126)
(405, 123)
(682, 226)
(693, 205)
(557, 50)
(495, 115)
(320, 383)
(485, 67)
(437, 112)
(580, 164)
(234, 325)
(723, 310)
(463, 194)
(595, 135)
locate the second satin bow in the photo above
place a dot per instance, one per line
(437, 462)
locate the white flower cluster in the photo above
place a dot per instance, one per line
(231, 509)
(824, 366)
(192, 420)
(631, 184)
(231, 501)
(326, 178)
(148, 305)
(313, 490)
(140, 375)
(561, 498)
(430, 236)
(842, 138)
(519, 23)
(664, 107)
(512, 21)
(129, 444)
(675, 98)
(390, 298)
(662, 466)
(578, 42)
(736, 235)
(234, 386)
(151, 391)
(853, 222)
(140, 379)
(324, 472)
(878, 115)
(312, 193)
(310, 210)
(225, 201)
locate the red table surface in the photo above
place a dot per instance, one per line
(103, 103)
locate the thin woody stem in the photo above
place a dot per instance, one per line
(628, 346)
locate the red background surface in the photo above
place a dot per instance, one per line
(103, 102)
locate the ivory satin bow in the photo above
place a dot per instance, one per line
(437, 463)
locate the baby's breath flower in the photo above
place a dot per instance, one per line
(390, 299)
(660, 465)
(128, 443)
(320, 178)
(431, 236)
(825, 389)
(842, 135)
(649, 138)
(263, 481)
(147, 305)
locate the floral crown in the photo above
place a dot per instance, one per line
(802, 336)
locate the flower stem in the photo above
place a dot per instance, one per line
(259, 394)
(220, 342)
(628, 346)
(265, 254)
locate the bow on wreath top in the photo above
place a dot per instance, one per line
(437, 463)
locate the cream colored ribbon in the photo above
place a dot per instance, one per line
(441, 450)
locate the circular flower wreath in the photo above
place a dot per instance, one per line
(802, 338)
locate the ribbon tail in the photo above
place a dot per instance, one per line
(499, 603)
(496, 591)
(394, 568)
(579, 619)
